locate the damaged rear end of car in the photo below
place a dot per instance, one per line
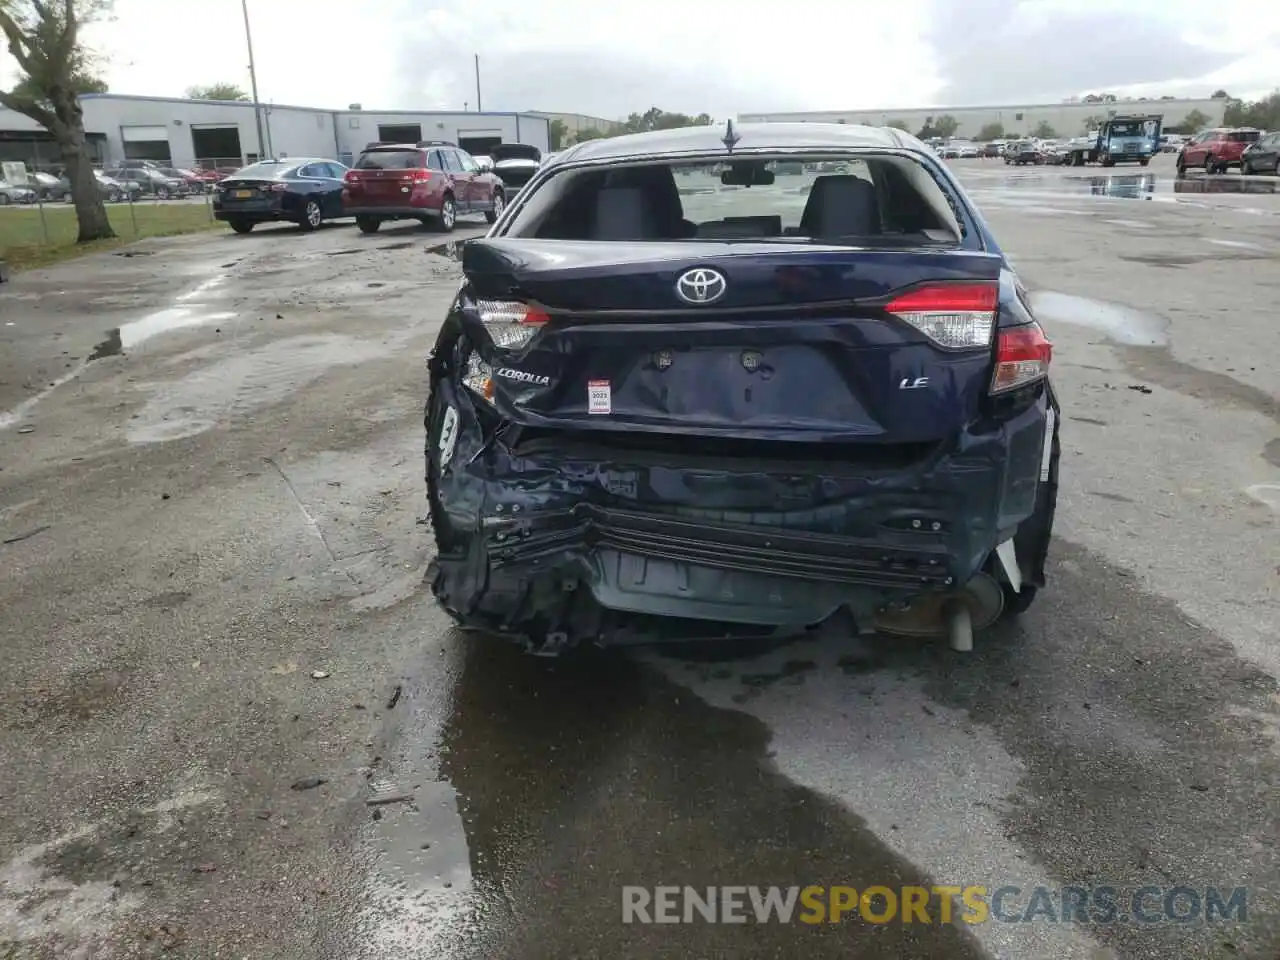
(738, 408)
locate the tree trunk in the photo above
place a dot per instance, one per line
(91, 211)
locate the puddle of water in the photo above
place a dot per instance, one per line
(1120, 324)
(109, 347)
(202, 288)
(164, 321)
(450, 251)
(424, 870)
(1227, 184)
(15, 416)
(1142, 186)
(1266, 493)
(1238, 244)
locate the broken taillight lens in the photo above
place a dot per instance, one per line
(953, 315)
(510, 324)
(1022, 357)
(478, 377)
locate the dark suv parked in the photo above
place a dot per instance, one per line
(431, 181)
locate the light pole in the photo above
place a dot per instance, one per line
(253, 81)
(479, 109)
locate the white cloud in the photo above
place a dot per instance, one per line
(690, 55)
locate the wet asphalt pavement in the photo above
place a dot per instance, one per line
(235, 725)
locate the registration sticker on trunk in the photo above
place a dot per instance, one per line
(599, 396)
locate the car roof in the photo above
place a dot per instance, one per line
(288, 163)
(752, 136)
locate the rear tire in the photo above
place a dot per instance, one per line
(499, 203)
(368, 224)
(1017, 603)
(448, 218)
(241, 226)
(312, 216)
(445, 536)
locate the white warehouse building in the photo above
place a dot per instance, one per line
(1066, 119)
(224, 133)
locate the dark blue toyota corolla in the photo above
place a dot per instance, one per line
(739, 382)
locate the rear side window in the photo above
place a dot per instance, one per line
(390, 160)
(434, 162)
(1243, 136)
(845, 200)
(451, 161)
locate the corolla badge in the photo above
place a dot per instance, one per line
(701, 286)
(524, 376)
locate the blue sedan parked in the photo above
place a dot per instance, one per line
(302, 191)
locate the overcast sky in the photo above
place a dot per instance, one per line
(721, 57)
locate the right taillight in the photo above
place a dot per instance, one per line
(1022, 357)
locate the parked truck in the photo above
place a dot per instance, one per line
(1131, 139)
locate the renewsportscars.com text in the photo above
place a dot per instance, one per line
(937, 904)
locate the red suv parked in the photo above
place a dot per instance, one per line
(432, 181)
(1216, 150)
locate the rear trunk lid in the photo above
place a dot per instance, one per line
(805, 342)
(248, 192)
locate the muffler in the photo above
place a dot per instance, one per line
(956, 615)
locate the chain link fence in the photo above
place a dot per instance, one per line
(143, 197)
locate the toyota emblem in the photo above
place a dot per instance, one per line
(701, 286)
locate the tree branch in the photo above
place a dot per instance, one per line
(19, 45)
(29, 108)
(70, 26)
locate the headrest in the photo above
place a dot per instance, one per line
(841, 205)
(624, 213)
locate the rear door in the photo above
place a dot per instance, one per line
(334, 174)
(1239, 140)
(463, 182)
(1269, 152)
(478, 187)
(1193, 152)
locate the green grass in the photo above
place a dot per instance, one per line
(22, 236)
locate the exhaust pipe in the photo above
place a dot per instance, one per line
(955, 615)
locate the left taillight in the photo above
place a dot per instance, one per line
(1022, 357)
(509, 323)
(952, 315)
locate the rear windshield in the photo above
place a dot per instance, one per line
(847, 199)
(515, 151)
(1243, 136)
(391, 160)
(267, 168)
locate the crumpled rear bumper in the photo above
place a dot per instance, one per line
(575, 540)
